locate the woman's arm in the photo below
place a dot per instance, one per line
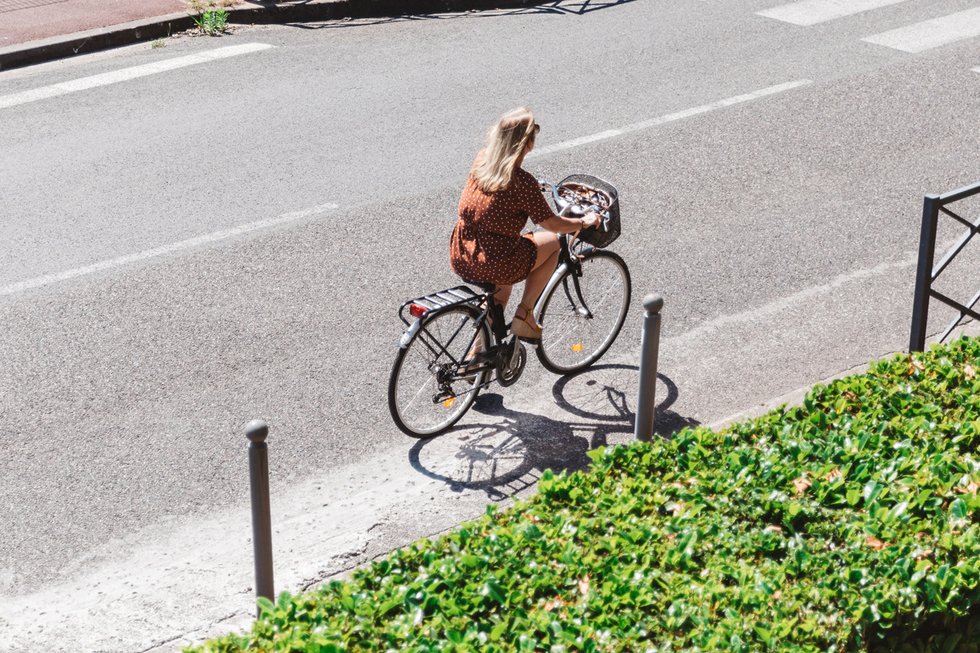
(560, 225)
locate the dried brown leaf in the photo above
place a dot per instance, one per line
(970, 488)
(875, 543)
(802, 484)
(923, 554)
(554, 603)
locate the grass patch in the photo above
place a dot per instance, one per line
(210, 17)
(849, 523)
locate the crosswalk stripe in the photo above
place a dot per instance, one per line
(931, 33)
(125, 74)
(811, 12)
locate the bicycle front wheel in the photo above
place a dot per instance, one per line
(581, 317)
(426, 392)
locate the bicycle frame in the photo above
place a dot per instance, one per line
(450, 298)
(567, 261)
(443, 301)
(461, 353)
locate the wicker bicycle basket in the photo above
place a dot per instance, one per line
(610, 216)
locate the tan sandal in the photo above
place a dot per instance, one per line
(522, 327)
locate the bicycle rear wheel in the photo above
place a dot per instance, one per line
(426, 393)
(581, 317)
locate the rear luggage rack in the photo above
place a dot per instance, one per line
(443, 299)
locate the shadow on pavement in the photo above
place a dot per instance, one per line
(565, 7)
(506, 452)
(607, 392)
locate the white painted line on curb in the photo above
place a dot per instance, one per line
(653, 122)
(811, 12)
(931, 33)
(156, 252)
(789, 301)
(126, 74)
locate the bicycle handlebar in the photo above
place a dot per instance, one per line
(564, 205)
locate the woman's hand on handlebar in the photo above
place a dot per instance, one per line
(591, 219)
(571, 225)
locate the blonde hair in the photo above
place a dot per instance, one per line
(506, 141)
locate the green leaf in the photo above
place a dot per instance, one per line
(958, 509)
(871, 491)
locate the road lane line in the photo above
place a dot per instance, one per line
(929, 34)
(37, 282)
(126, 74)
(157, 252)
(670, 117)
(977, 69)
(811, 12)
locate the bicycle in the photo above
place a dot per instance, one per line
(458, 337)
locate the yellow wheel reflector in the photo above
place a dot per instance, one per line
(577, 347)
(448, 403)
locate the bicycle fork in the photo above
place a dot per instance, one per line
(573, 294)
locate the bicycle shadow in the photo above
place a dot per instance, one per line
(506, 453)
(369, 15)
(607, 392)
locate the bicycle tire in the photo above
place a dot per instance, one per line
(566, 330)
(451, 321)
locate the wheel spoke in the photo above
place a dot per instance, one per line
(570, 341)
(427, 367)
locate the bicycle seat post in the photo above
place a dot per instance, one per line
(496, 316)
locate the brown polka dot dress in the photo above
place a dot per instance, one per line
(487, 245)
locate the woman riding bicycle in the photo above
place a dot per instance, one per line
(487, 245)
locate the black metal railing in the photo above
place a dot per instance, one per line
(928, 271)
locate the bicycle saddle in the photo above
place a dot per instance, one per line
(486, 287)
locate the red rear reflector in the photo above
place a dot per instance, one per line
(417, 310)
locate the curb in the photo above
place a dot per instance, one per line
(150, 29)
(795, 397)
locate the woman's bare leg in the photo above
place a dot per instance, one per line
(544, 266)
(502, 295)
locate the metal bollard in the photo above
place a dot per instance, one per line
(258, 472)
(646, 404)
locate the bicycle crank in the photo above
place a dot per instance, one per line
(510, 362)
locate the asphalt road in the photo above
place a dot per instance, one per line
(141, 334)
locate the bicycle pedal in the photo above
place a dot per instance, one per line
(515, 353)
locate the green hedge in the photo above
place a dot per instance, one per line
(849, 523)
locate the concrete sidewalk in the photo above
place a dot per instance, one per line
(23, 21)
(35, 31)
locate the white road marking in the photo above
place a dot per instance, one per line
(156, 252)
(290, 217)
(788, 302)
(931, 33)
(126, 74)
(977, 69)
(653, 122)
(811, 12)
